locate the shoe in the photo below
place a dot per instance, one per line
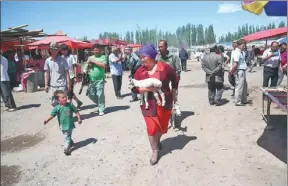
(133, 100)
(11, 109)
(119, 97)
(101, 113)
(240, 104)
(212, 103)
(79, 104)
(66, 151)
(217, 103)
(154, 161)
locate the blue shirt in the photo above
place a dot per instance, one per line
(115, 67)
(239, 56)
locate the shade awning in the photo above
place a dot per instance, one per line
(72, 43)
(266, 34)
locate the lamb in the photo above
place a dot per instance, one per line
(147, 83)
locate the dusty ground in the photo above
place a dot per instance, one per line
(217, 146)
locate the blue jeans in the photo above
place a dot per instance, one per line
(67, 135)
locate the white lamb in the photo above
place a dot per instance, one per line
(147, 83)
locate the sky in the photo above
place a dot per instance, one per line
(89, 18)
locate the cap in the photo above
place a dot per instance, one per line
(128, 48)
(54, 45)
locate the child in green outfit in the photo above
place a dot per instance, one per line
(64, 112)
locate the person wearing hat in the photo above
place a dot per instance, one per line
(133, 63)
(57, 71)
(283, 63)
(115, 63)
(157, 116)
(72, 64)
(212, 64)
(5, 87)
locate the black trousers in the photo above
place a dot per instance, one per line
(215, 91)
(117, 82)
(184, 64)
(6, 94)
(270, 74)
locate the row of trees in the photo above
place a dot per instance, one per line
(248, 29)
(187, 35)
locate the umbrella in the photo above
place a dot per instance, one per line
(272, 8)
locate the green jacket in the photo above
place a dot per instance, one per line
(173, 60)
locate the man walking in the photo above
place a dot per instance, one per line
(57, 71)
(133, 63)
(96, 72)
(251, 58)
(115, 62)
(240, 67)
(183, 55)
(212, 64)
(5, 88)
(174, 61)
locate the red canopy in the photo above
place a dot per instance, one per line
(59, 38)
(10, 45)
(266, 34)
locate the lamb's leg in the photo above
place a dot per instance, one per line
(156, 95)
(163, 97)
(141, 99)
(146, 100)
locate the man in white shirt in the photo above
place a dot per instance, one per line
(115, 63)
(239, 70)
(271, 58)
(5, 89)
(231, 77)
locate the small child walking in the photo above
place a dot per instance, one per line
(64, 112)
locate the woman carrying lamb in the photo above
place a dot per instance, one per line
(157, 116)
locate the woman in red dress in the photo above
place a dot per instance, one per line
(156, 117)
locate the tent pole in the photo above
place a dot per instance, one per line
(266, 43)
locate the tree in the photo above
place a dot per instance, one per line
(281, 24)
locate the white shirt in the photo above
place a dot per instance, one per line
(235, 54)
(4, 69)
(272, 62)
(70, 62)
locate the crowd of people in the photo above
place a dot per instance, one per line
(61, 76)
(240, 61)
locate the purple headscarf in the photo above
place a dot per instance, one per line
(148, 51)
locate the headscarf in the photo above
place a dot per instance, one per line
(148, 51)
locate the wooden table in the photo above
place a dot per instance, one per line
(277, 96)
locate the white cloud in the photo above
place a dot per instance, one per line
(229, 8)
(274, 18)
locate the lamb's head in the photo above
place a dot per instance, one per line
(131, 83)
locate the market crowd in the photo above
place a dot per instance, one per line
(61, 77)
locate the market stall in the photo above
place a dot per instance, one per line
(273, 95)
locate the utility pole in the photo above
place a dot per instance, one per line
(140, 37)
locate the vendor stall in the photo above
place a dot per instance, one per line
(273, 95)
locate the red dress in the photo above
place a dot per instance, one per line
(157, 117)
